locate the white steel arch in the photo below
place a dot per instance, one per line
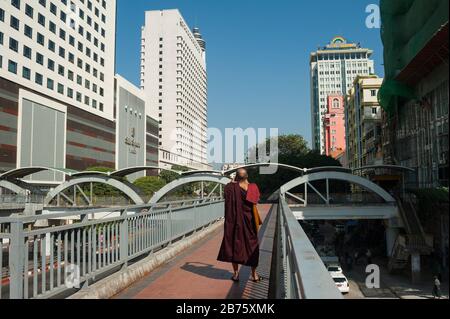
(125, 188)
(326, 176)
(185, 181)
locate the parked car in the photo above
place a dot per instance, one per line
(335, 269)
(341, 283)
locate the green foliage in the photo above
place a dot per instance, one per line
(294, 151)
(149, 185)
(169, 176)
(99, 169)
(101, 190)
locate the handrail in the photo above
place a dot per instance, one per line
(304, 274)
(40, 260)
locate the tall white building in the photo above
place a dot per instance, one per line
(64, 49)
(174, 79)
(333, 70)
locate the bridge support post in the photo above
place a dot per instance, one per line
(391, 237)
(415, 267)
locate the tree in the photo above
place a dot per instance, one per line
(101, 189)
(292, 150)
(169, 176)
(149, 185)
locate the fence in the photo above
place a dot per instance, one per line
(301, 274)
(46, 262)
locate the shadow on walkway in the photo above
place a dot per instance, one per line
(206, 270)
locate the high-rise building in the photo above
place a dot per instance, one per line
(333, 70)
(334, 126)
(174, 79)
(57, 84)
(61, 103)
(415, 93)
(363, 116)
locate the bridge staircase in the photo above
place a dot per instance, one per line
(413, 240)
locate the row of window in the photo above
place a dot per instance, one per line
(51, 85)
(27, 52)
(28, 31)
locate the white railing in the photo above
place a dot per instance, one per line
(46, 262)
(302, 274)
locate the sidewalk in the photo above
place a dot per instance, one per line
(196, 274)
(397, 286)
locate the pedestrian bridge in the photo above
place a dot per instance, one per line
(167, 249)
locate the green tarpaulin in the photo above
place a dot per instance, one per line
(407, 26)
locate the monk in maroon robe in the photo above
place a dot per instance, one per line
(240, 244)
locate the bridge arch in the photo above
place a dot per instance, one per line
(124, 187)
(340, 176)
(220, 180)
(10, 186)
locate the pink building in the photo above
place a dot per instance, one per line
(334, 126)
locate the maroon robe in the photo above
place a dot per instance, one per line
(240, 242)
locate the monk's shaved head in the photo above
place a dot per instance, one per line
(241, 174)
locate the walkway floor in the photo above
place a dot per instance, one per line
(196, 274)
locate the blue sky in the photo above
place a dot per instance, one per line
(257, 53)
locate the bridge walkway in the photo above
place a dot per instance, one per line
(196, 274)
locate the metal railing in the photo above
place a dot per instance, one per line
(21, 199)
(300, 270)
(46, 262)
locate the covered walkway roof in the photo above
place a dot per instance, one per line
(27, 171)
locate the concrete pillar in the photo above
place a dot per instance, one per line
(415, 267)
(391, 237)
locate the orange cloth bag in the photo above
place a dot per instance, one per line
(256, 218)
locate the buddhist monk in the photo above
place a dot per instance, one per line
(240, 244)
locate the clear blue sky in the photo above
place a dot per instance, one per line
(257, 53)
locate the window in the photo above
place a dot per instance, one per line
(1, 38)
(51, 45)
(60, 88)
(15, 3)
(51, 64)
(374, 111)
(336, 104)
(40, 58)
(50, 84)
(2, 15)
(13, 45)
(38, 79)
(14, 23)
(40, 39)
(27, 52)
(12, 67)
(26, 73)
(29, 11)
(52, 27)
(70, 92)
(28, 31)
(41, 20)
(373, 93)
(53, 8)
